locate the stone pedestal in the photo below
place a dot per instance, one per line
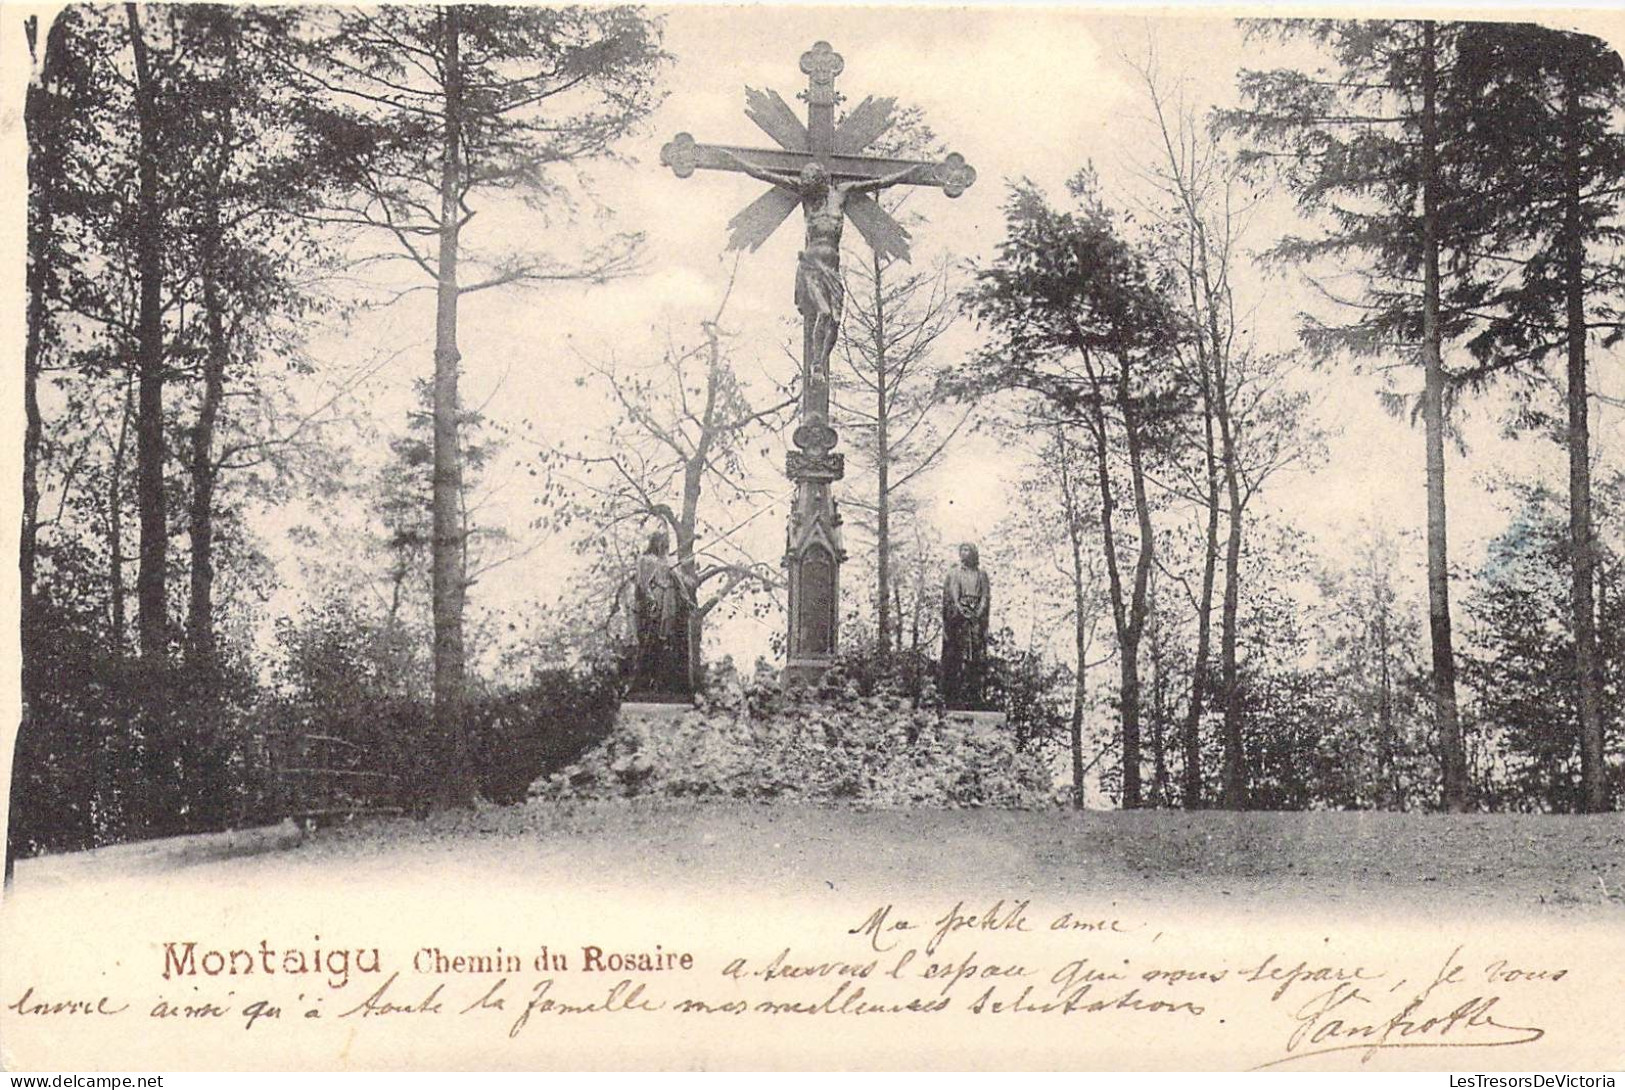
(654, 710)
(812, 559)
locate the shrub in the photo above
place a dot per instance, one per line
(349, 734)
(1032, 691)
(518, 736)
(907, 670)
(114, 748)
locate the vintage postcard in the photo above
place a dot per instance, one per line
(829, 537)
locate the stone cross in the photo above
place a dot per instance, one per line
(819, 166)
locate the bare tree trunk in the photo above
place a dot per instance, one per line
(1127, 611)
(1593, 766)
(694, 467)
(1456, 789)
(914, 621)
(150, 577)
(33, 434)
(1212, 315)
(1079, 695)
(200, 636)
(42, 173)
(42, 177)
(882, 473)
(448, 583)
(1387, 771)
(117, 623)
(1072, 510)
(1192, 735)
(696, 642)
(200, 641)
(1142, 574)
(693, 618)
(200, 644)
(1233, 775)
(1129, 696)
(897, 604)
(1160, 787)
(1234, 786)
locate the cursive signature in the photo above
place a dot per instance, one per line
(1346, 1018)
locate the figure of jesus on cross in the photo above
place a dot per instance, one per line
(819, 292)
(818, 166)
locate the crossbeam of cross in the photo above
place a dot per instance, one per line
(838, 147)
(821, 166)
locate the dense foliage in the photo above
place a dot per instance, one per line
(1523, 663)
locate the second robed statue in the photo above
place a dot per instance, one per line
(663, 600)
(967, 600)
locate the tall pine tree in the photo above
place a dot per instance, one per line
(442, 109)
(1362, 146)
(1540, 141)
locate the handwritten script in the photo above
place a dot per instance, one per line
(1001, 970)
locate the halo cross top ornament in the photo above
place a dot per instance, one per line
(821, 167)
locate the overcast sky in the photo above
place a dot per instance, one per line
(1020, 92)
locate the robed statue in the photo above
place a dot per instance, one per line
(662, 603)
(967, 599)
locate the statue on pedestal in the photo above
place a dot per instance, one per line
(967, 599)
(663, 600)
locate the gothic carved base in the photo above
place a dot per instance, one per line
(813, 556)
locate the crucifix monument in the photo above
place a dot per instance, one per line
(819, 166)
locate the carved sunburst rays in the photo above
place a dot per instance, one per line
(756, 222)
(838, 147)
(775, 117)
(861, 127)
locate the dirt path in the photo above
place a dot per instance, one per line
(1397, 862)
